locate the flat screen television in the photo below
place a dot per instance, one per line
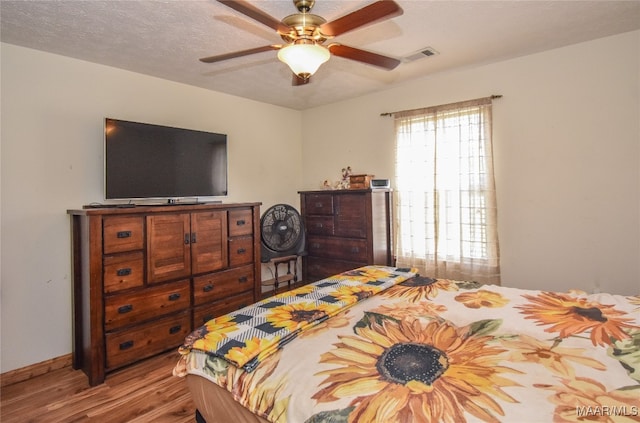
(145, 161)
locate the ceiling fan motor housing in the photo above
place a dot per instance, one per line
(304, 26)
(304, 5)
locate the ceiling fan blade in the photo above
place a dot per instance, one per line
(299, 81)
(382, 9)
(374, 59)
(256, 14)
(221, 57)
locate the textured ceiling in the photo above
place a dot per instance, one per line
(166, 38)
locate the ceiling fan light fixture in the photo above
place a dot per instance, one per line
(304, 59)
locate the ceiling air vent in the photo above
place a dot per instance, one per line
(420, 54)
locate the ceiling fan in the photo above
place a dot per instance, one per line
(305, 34)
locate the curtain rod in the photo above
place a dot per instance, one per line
(493, 97)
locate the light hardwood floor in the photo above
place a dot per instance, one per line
(144, 392)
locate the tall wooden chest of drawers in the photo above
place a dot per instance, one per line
(346, 229)
(145, 277)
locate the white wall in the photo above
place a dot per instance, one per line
(52, 124)
(567, 157)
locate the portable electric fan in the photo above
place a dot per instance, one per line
(282, 233)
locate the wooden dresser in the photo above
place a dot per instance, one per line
(145, 277)
(346, 229)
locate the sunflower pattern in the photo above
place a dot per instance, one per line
(482, 298)
(421, 288)
(569, 315)
(395, 370)
(430, 350)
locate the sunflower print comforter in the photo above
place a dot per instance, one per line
(436, 350)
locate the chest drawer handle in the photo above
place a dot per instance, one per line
(124, 234)
(319, 205)
(243, 279)
(175, 296)
(193, 238)
(175, 329)
(315, 245)
(240, 222)
(319, 225)
(126, 345)
(355, 249)
(241, 250)
(124, 272)
(187, 239)
(125, 309)
(208, 287)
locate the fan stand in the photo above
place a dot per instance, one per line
(288, 277)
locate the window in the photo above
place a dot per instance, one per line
(446, 204)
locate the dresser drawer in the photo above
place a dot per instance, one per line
(319, 268)
(143, 304)
(123, 271)
(122, 234)
(240, 222)
(215, 286)
(240, 251)
(318, 204)
(127, 346)
(338, 248)
(203, 313)
(319, 225)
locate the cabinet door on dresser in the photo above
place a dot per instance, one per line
(168, 246)
(208, 241)
(352, 216)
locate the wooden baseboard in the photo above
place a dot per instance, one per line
(38, 369)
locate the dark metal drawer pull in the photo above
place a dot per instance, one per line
(240, 222)
(126, 345)
(243, 279)
(193, 238)
(241, 250)
(125, 308)
(187, 239)
(124, 234)
(208, 287)
(175, 329)
(319, 225)
(124, 272)
(175, 296)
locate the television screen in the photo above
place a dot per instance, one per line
(152, 161)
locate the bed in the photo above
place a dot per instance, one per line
(384, 344)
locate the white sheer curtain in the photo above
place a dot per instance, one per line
(446, 218)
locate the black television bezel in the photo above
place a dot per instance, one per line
(166, 199)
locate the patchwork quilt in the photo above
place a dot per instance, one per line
(386, 345)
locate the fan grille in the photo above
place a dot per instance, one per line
(281, 227)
